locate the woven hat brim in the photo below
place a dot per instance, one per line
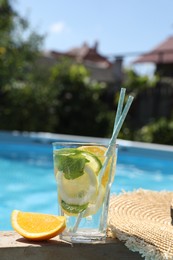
(142, 219)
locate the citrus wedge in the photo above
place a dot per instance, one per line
(79, 191)
(37, 226)
(93, 161)
(99, 152)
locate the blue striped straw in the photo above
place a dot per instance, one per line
(119, 124)
(120, 118)
(120, 106)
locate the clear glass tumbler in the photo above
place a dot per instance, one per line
(84, 173)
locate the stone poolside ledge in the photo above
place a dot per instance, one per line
(13, 246)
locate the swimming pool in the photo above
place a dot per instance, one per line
(27, 178)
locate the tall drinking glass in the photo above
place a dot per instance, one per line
(84, 174)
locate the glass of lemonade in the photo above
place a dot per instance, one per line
(84, 174)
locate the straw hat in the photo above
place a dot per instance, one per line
(142, 219)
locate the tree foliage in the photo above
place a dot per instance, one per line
(19, 97)
(17, 53)
(137, 83)
(160, 131)
(79, 108)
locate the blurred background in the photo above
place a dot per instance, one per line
(62, 64)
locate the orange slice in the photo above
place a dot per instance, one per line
(96, 150)
(37, 226)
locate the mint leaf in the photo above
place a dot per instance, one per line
(71, 162)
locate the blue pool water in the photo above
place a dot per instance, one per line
(27, 179)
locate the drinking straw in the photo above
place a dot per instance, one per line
(119, 124)
(120, 106)
(117, 128)
(80, 216)
(118, 115)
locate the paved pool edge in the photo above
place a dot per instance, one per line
(13, 246)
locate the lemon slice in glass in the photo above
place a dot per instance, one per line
(78, 191)
(97, 153)
(92, 161)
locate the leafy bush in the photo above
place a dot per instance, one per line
(160, 131)
(137, 83)
(78, 105)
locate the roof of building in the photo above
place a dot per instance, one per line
(85, 53)
(163, 53)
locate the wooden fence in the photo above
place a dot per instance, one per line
(151, 104)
